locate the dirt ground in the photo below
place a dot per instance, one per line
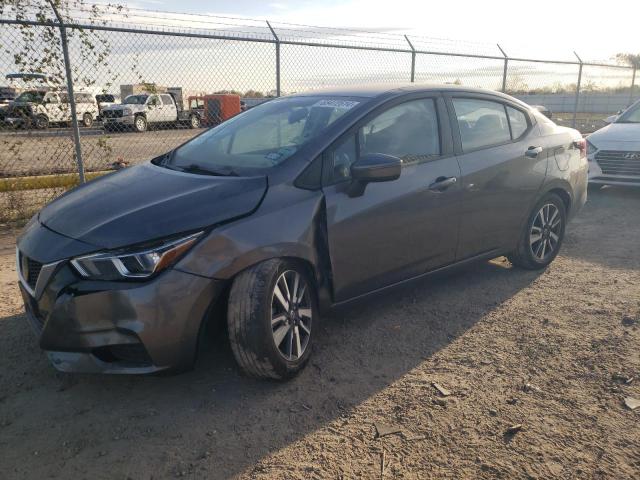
(552, 351)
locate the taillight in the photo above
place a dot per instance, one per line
(582, 146)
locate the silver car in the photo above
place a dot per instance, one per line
(614, 151)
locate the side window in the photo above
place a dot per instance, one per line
(408, 131)
(518, 121)
(166, 99)
(482, 123)
(154, 101)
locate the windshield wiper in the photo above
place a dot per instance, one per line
(195, 168)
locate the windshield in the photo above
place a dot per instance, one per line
(632, 115)
(33, 97)
(136, 100)
(261, 137)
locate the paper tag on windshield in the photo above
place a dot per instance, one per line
(341, 104)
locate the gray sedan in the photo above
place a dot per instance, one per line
(288, 209)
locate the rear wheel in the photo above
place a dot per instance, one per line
(140, 124)
(272, 308)
(543, 234)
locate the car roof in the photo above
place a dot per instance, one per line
(392, 90)
(374, 90)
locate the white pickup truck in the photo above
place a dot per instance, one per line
(140, 111)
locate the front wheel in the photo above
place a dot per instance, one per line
(140, 124)
(194, 121)
(543, 234)
(271, 315)
(87, 120)
(41, 122)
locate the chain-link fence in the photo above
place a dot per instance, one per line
(144, 82)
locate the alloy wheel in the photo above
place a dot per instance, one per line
(544, 236)
(291, 315)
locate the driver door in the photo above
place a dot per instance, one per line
(54, 108)
(398, 229)
(154, 109)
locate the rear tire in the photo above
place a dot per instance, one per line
(271, 314)
(140, 124)
(543, 234)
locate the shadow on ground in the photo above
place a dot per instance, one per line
(211, 422)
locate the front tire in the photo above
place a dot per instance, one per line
(194, 121)
(271, 315)
(41, 122)
(543, 234)
(87, 120)
(140, 124)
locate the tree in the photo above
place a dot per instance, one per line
(37, 49)
(631, 59)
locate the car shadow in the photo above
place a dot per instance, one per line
(212, 421)
(609, 221)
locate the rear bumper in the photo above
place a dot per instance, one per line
(118, 327)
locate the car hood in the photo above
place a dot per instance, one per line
(617, 136)
(147, 202)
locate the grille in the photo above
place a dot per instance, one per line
(112, 113)
(30, 270)
(614, 162)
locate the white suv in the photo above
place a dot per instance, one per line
(614, 151)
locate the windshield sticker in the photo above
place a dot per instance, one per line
(341, 104)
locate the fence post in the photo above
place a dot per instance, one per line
(575, 106)
(504, 71)
(413, 59)
(72, 99)
(633, 84)
(275, 36)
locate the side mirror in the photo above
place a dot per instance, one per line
(373, 167)
(611, 119)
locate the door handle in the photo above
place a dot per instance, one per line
(533, 152)
(442, 183)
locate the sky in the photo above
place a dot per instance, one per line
(551, 28)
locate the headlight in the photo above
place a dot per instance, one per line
(133, 264)
(591, 148)
(126, 112)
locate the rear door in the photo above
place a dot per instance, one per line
(397, 229)
(499, 179)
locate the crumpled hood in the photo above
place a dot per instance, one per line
(617, 136)
(147, 202)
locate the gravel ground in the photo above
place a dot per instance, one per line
(551, 351)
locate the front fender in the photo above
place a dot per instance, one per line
(287, 224)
